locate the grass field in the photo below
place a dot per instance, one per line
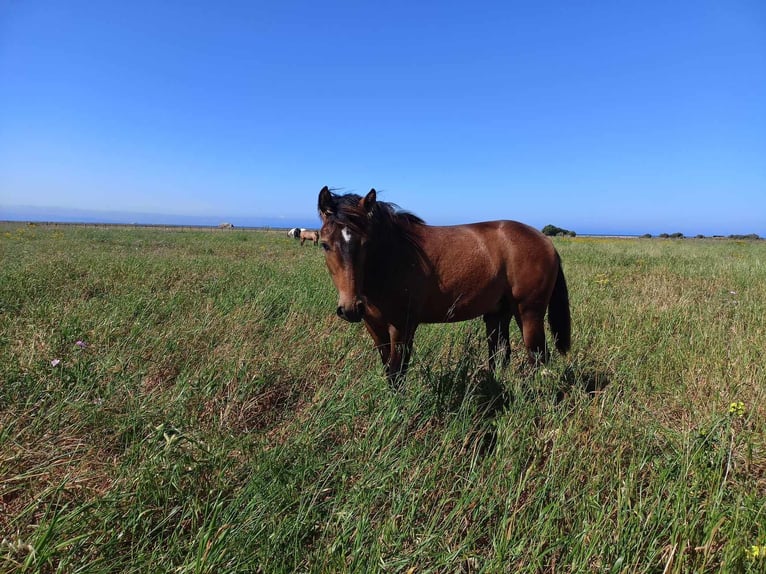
(187, 401)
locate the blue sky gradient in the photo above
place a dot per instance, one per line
(602, 117)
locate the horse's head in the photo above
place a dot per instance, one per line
(346, 227)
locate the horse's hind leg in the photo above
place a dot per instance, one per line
(533, 332)
(498, 341)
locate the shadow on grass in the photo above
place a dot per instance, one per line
(467, 384)
(584, 377)
(492, 398)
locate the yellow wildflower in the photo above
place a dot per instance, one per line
(737, 408)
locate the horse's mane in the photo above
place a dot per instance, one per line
(385, 223)
(385, 216)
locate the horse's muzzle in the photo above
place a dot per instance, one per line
(353, 314)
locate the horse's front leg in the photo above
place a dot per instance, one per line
(401, 351)
(379, 334)
(394, 347)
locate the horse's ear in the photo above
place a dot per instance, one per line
(326, 203)
(368, 203)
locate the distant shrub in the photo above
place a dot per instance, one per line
(748, 236)
(676, 235)
(699, 236)
(554, 231)
(663, 235)
(646, 236)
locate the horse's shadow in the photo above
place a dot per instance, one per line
(584, 377)
(468, 385)
(488, 392)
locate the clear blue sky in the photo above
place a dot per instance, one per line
(596, 116)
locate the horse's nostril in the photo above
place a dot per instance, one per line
(339, 311)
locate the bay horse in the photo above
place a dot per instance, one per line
(394, 272)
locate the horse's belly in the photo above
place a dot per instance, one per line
(460, 307)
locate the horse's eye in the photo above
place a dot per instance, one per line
(325, 246)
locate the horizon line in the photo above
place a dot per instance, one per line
(55, 214)
(266, 226)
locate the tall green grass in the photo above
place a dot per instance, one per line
(220, 418)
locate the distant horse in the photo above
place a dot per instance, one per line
(394, 272)
(312, 236)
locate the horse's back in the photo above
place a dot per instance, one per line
(501, 242)
(476, 266)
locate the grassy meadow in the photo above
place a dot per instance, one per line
(187, 401)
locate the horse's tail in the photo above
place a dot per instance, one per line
(558, 312)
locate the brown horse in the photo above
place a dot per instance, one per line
(394, 272)
(310, 235)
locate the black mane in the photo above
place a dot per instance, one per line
(385, 217)
(387, 228)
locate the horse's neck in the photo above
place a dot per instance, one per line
(390, 263)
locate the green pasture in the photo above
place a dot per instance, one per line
(187, 401)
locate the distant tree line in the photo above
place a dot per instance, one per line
(748, 236)
(553, 231)
(700, 236)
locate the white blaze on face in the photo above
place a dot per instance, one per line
(346, 234)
